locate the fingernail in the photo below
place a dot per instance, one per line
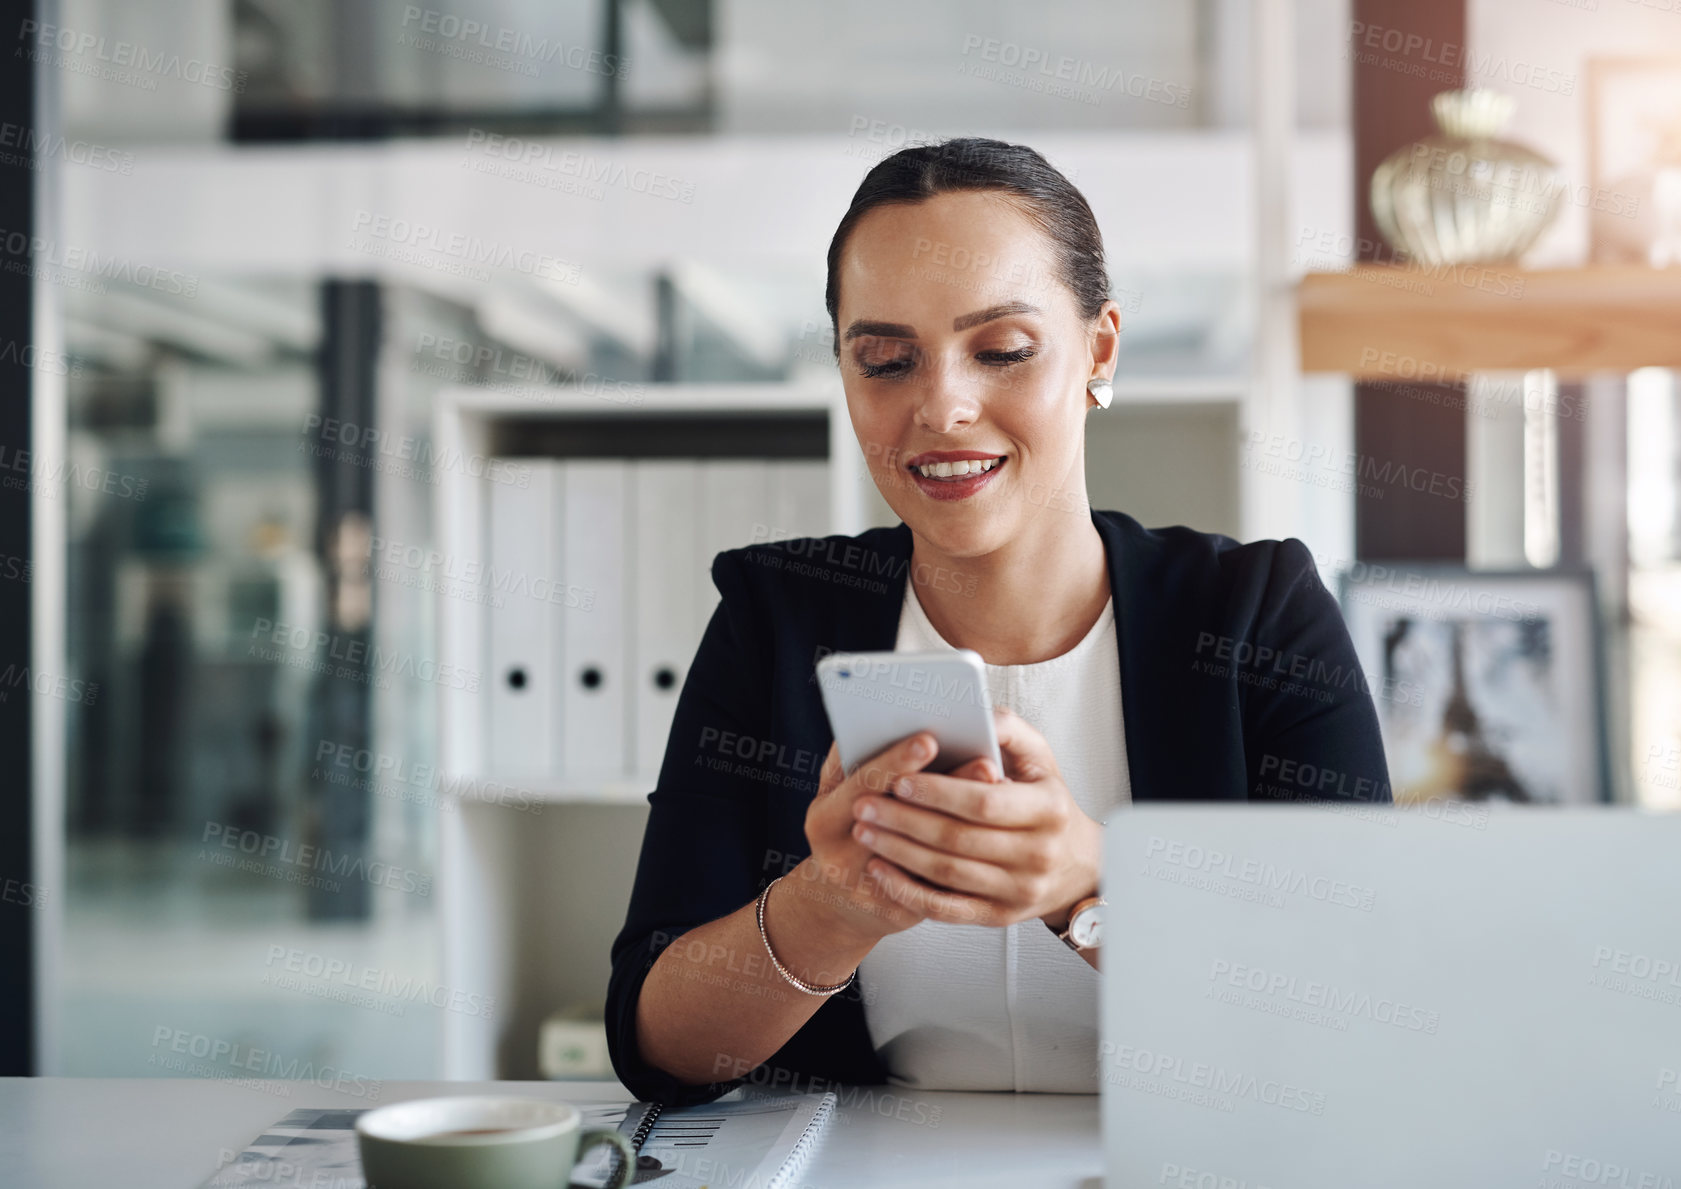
(904, 786)
(866, 811)
(865, 835)
(921, 749)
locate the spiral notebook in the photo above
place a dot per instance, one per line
(745, 1140)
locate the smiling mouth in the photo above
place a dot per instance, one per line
(952, 472)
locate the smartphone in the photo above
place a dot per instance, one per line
(875, 699)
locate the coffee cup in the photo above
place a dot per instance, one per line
(468, 1143)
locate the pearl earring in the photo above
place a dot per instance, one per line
(1102, 390)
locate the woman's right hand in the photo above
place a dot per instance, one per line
(833, 878)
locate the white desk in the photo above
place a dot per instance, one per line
(171, 1133)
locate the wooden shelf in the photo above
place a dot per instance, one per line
(1388, 322)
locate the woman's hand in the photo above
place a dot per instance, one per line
(1006, 847)
(835, 877)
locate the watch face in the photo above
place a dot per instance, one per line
(1086, 929)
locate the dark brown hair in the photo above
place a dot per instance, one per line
(918, 172)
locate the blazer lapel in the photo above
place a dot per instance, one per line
(871, 623)
(1134, 573)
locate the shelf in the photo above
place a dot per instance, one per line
(515, 792)
(1133, 390)
(1385, 322)
(634, 399)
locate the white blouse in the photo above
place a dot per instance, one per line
(979, 1007)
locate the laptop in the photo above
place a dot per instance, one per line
(1363, 997)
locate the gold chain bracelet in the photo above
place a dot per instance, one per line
(798, 984)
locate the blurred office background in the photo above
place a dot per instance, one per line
(320, 290)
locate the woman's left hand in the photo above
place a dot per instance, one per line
(1014, 841)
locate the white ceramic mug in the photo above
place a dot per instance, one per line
(469, 1143)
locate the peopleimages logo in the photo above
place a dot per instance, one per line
(331, 975)
(147, 66)
(1640, 966)
(41, 359)
(24, 895)
(1173, 1071)
(468, 249)
(1179, 1176)
(1585, 1170)
(231, 1055)
(271, 855)
(1255, 662)
(47, 477)
(359, 658)
(1324, 780)
(46, 685)
(1031, 61)
(45, 255)
(524, 159)
(34, 147)
(337, 762)
(1220, 864)
(1314, 994)
(1300, 459)
(446, 27)
(492, 367)
(367, 445)
(431, 563)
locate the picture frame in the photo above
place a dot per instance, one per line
(1488, 684)
(1633, 195)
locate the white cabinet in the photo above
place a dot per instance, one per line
(596, 576)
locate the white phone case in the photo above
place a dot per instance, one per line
(875, 699)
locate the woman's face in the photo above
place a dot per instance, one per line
(959, 344)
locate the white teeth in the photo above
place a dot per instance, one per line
(966, 466)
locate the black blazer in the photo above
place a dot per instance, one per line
(1238, 682)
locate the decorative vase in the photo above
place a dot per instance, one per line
(1463, 196)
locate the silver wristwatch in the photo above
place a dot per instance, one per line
(1084, 931)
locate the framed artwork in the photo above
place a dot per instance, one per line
(1488, 684)
(1634, 161)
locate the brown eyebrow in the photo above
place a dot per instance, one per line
(997, 311)
(898, 330)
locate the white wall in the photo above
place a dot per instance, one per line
(1162, 200)
(944, 66)
(110, 100)
(1522, 39)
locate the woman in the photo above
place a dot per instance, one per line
(794, 927)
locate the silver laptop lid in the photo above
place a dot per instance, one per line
(1327, 998)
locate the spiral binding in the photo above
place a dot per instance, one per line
(802, 1146)
(644, 1125)
(797, 1156)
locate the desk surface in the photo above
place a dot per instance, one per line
(144, 1133)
